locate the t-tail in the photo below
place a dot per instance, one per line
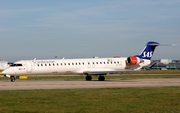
(148, 51)
(146, 54)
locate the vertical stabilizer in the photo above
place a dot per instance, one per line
(148, 51)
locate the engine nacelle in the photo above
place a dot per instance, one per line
(132, 60)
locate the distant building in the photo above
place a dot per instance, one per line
(165, 64)
(165, 61)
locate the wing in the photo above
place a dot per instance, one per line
(106, 72)
(151, 66)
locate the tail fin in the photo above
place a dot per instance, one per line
(148, 51)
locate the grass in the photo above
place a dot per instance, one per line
(102, 100)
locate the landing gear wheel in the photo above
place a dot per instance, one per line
(12, 78)
(88, 78)
(101, 78)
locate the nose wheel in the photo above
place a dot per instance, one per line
(12, 78)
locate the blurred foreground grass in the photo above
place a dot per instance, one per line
(100, 100)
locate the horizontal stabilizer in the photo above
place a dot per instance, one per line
(149, 49)
(162, 44)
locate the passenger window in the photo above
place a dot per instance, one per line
(41, 64)
(111, 63)
(107, 62)
(118, 62)
(64, 63)
(114, 62)
(76, 63)
(100, 62)
(68, 63)
(45, 64)
(104, 62)
(61, 64)
(72, 63)
(96, 62)
(57, 64)
(53, 65)
(79, 63)
(49, 64)
(83, 63)
(38, 64)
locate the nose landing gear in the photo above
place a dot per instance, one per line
(12, 78)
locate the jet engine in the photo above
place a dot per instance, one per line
(132, 60)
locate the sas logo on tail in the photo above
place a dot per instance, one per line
(147, 54)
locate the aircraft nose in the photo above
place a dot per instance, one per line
(4, 72)
(8, 71)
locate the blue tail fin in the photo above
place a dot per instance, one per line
(148, 51)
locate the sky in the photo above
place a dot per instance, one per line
(43, 29)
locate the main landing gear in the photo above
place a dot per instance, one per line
(100, 78)
(88, 78)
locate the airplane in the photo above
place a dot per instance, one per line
(86, 66)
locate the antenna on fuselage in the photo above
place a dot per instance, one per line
(63, 58)
(34, 58)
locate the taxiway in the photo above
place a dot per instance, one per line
(71, 84)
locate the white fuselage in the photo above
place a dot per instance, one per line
(75, 66)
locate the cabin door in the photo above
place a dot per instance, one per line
(28, 67)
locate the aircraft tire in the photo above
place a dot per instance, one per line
(101, 78)
(88, 78)
(12, 78)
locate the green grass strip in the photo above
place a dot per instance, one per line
(102, 100)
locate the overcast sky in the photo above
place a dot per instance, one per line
(44, 29)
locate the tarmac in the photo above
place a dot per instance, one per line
(73, 84)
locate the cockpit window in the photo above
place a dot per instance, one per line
(15, 65)
(19, 65)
